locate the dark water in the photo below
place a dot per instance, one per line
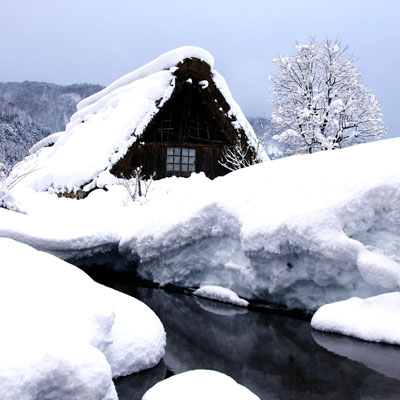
(274, 356)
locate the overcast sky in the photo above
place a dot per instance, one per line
(96, 41)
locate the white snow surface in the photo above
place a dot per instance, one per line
(199, 384)
(63, 336)
(219, 293)
(375, 319)
(301, 231)
(108, 123)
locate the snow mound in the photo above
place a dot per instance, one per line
(375, 319)
(138, 338)
(220, 294)
(199, 385)
(64, 336)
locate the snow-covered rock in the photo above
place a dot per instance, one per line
(199, 385)
(376, 319)
(64, 336)
(301, 231)
(221, 294)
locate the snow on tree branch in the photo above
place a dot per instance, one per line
(320, 101)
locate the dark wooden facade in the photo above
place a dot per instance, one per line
(194, 120)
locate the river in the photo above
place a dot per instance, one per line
(276, 357)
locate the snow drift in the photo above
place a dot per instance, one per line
(64, 336)
(301, 231)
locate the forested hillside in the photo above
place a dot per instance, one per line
(29, 111)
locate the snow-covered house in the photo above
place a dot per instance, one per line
(173, 116)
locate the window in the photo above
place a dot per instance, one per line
(181, 160)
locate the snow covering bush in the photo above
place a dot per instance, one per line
(375, 319)
(199, 385)
(301, 231)
(64, 336)
(221, 294)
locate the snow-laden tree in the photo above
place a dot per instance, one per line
(320, 101)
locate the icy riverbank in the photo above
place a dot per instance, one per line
(302, 231)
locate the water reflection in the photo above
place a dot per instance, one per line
(275, 357)
(382, 358)
(133, 387)
(220, 308)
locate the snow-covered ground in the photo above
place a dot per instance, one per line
(301, 231)
(199, 385)
(62, 335)
(375, 319)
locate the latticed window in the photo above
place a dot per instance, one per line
(181, 160)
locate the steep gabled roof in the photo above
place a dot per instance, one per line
(107, 123)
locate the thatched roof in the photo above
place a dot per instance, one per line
(107, 123)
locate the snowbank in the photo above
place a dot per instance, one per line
(64, 336)
(302, 231)
(199, 385)
(375, 319)
(221, 294)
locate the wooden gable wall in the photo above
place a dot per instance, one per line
(193, 118)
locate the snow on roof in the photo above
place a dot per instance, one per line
(107, 123)
(45, 142)
(163, 62)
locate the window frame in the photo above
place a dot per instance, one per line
(180, 160)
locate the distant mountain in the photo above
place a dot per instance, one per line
(47, 104)
(29, 111)
(18, 132)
